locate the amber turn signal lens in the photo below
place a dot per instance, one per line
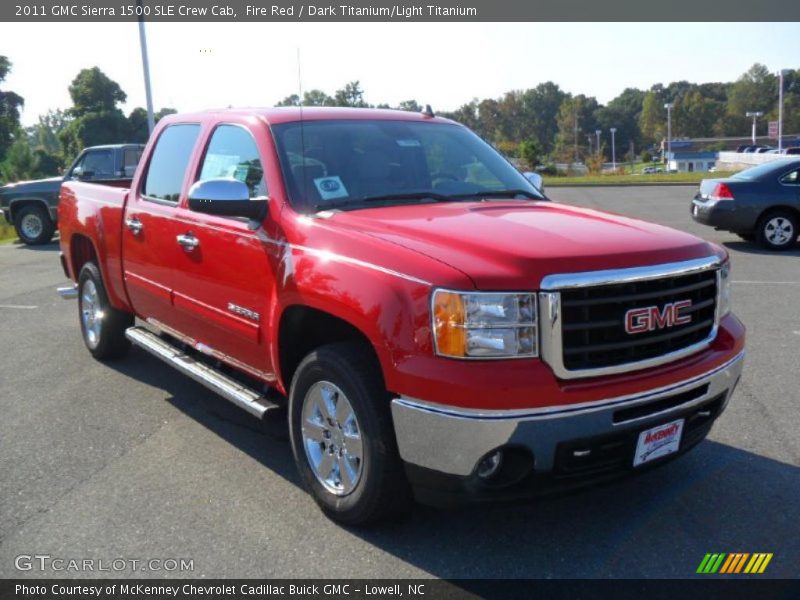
(448, 324)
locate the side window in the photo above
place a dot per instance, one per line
(792, 178)
(95, 164)
(169, 161)
(130, 158)
(232, 152)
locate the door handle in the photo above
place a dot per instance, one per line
(188, 241)
(134, 224)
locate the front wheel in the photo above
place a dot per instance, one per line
(34, 225)
(777, 230)
(102, 326)
(342, 435)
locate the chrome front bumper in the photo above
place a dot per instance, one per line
(453, 440)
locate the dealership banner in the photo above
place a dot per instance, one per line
(400, 11)
(422, 589)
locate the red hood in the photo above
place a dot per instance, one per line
(513, 244)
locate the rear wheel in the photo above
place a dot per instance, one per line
(102, 326)
(34, 225)
(777, 230)
(342, 435)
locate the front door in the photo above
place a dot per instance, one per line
(149, 247)
(224, 278)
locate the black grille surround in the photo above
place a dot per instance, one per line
(593, 319)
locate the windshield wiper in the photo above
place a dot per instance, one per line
(500, 194)
(359, 202)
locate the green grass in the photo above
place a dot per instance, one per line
(7, 233)
(688, 178)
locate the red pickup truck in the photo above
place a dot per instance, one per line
(432, 325)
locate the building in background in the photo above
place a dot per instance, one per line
(688, 161)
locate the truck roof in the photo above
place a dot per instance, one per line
(287, 114)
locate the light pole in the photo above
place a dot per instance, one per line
(755, 114)
(590, 139)
(781, 73)
(669, 106)
(597, 132)
(146, 68)
(613, 130)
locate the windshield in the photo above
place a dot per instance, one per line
(352, 164)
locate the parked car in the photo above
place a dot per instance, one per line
(652, 170)
(429, 321)
(763, 149)
(761, 203)
(792, 151)
(742, 148)
(31, 206)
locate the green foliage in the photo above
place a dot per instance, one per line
(10, 106)
(652, 119)
(20, 163)
(530, 151)
(410, 105)
(138, 130)
(646, 157)
(350, 95)
(93, 92)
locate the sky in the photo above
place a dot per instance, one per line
(210, 65)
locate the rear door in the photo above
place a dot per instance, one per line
(150, 251)
(224, 284)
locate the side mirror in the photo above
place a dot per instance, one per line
(226, 197)
(535, 179)
(85, 175)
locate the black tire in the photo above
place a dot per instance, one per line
(107, 340)
(381, 490)
(34, 225)
(747, 237)
(766, 229)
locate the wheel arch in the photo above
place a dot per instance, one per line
(302, 328)
(18, 203)
(776, 207)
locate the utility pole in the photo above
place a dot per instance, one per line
(591, 143)
(781, 73)
(597, 132)
(755, 115)
(576, 136)
(613, 130)
(669, 106)
(151, 122)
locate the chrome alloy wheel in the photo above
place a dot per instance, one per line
(779, 231)
(91, 313)
(31, 226)
(332, 438)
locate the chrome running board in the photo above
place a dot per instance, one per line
(225, 386)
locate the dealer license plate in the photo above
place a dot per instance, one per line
(658, 441)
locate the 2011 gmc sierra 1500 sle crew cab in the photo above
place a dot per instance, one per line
(430, 322)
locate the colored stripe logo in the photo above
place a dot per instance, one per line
(735, 562)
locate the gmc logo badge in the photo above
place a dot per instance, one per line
(639, 320)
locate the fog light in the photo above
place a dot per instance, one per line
(490, 464)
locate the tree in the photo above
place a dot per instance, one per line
(575, 120)
(410, 105)
(530, 152)
(97, 118)
(10, 106)
(92, 91)
(350, 95)
(652, 120)
(317, 98)
(755, 90)
(291, 100)
(138, 129)
(44, 135)
(20, 162)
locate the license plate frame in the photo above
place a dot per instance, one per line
(657, 442)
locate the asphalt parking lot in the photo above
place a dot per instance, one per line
(133, 460)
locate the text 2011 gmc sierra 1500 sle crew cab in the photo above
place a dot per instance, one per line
(429, 321)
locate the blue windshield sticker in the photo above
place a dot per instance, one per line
(409, 143)
(330, 188)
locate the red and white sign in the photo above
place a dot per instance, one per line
(773, 130)
(658, 441)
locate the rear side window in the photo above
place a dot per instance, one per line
(130, 158)
(792, 178)
(232, 152)
(168, 164)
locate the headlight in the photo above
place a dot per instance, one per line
(724, 281)
(484, 324)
